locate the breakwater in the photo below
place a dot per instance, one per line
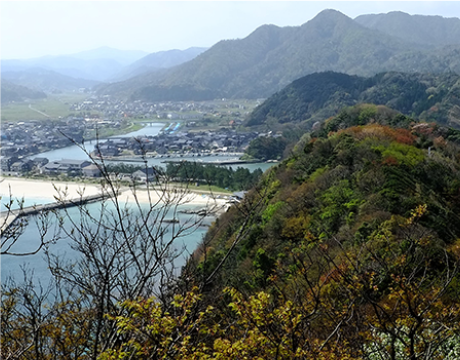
(11, 216)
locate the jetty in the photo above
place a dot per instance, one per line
(13, 215)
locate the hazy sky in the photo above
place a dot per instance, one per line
(37, 28)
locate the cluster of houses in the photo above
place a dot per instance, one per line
(85, 168)
(14, 165)
(174, 110)
(178, 143)
(35, 136)
(30, 137)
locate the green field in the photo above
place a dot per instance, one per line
(54, 106)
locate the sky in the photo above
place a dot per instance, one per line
(30, 29)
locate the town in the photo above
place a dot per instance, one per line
(106, 106)
(180, 138)
(172, 142)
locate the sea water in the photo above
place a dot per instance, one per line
(36, 265)
(14, 266)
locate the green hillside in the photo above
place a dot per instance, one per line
(358, 232)
(16, 93)
(318, 96)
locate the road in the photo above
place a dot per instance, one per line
(40, 112)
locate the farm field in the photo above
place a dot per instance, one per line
(53, 107)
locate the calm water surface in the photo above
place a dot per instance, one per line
(12, 266)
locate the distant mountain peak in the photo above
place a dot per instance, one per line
(264, 30)
(157, 61)
(397, 12)
(329, 18)
(270, 57)
(330, 14)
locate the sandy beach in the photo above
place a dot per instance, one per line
(49, 191)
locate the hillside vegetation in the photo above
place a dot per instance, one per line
(348, 249)
(318, 96)
(358, 232)
(17, 93)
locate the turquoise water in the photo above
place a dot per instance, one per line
(15, 202)
(12, 266)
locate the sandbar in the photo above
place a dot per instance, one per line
(50, 191)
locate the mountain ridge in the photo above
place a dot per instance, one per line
(11, 92)
(422, 29)
(321, 95)
(157, 61)
(87, 65)
(271, 57)
(46, 80)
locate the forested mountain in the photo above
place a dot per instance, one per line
(356, 234)
(420, 29)
(268, 59)
(156, 61)
(46, 80)
(271, 57)
(11, 92)
(96, 65)
(318, 96)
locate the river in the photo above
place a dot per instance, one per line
(75, 152)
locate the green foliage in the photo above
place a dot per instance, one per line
(401, 153)
(338, 203)
(267, 148)
(316, 97)
(223, 177)
(346, 187)
(270, 211)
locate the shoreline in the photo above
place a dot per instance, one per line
(30, 189)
